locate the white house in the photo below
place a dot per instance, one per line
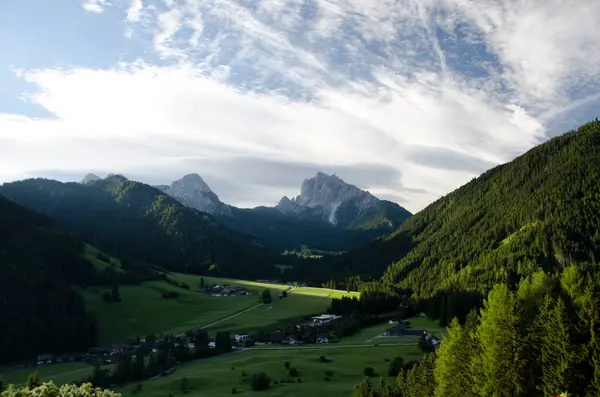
(212, 345)
(324, 318)
(241, 337)
(322, 340)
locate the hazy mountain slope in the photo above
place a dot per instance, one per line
(39, 310)
(540, 210)
(133, 219)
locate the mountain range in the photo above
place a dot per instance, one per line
(537, 213)
(329, 214)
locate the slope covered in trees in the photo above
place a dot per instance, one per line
(538, 340)
(131, 219)
(541, 210)
(39, 311)
(283, 232)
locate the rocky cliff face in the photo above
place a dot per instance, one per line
(193, 192)
(334, 200)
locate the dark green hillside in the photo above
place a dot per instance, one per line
(132, 219)
(541, 210)
(39, 311)
(379, 219)
(284, 232)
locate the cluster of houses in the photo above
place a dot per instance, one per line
(403, 328)
(317, 321)
(226, 290)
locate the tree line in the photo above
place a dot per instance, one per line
(539, 339)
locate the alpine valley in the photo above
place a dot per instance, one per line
(503, 270)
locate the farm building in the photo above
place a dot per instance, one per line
(402, 329)
(324, 319)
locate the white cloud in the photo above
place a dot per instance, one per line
(134, 11)
(96, 6)
(437, 90)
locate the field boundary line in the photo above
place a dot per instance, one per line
(232, 316)
(330, 347)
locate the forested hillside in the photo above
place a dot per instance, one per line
(283, 232)
(39, 311)
(540, 211)
(131, 219)
(536, 341)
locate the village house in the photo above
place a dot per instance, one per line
(403, 329)
(241, 337)
(324, 319)
(44, 359)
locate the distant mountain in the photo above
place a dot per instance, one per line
(342, 205)
(193, 192)
(329, 214)
(90, 178)
(39, 263)
(130, 218)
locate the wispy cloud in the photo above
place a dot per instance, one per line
(427, 93)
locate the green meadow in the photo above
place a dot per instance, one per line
(58, 373)
(101, 260)
(217, 376)
(143, 309)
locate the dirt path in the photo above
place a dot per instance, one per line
(232, 316)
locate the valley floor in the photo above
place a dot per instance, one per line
(144, 311)
(219, 375)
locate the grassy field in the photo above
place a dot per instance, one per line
(144, 311)
(194, 282)
(219, 375)
(91, 253)
(58, 373)
(292, 307)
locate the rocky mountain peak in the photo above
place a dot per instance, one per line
(89, 178)
(328, 193)
(193, 192)
(193, 181)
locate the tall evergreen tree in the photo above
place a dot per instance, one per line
(589, 315)
(363, 389)
(498, 367)
(453, 374)
(557, 359)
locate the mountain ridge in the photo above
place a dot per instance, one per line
(327, 206)
(134, 219)
(539, 211)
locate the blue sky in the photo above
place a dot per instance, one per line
(408, 99)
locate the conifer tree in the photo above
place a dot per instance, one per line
(589, 315)
(452, 367)
(363, 389)
(499, 366)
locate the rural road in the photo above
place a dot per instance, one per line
(232, 316)
(330, 346)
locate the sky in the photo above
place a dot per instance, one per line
(408, 99)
